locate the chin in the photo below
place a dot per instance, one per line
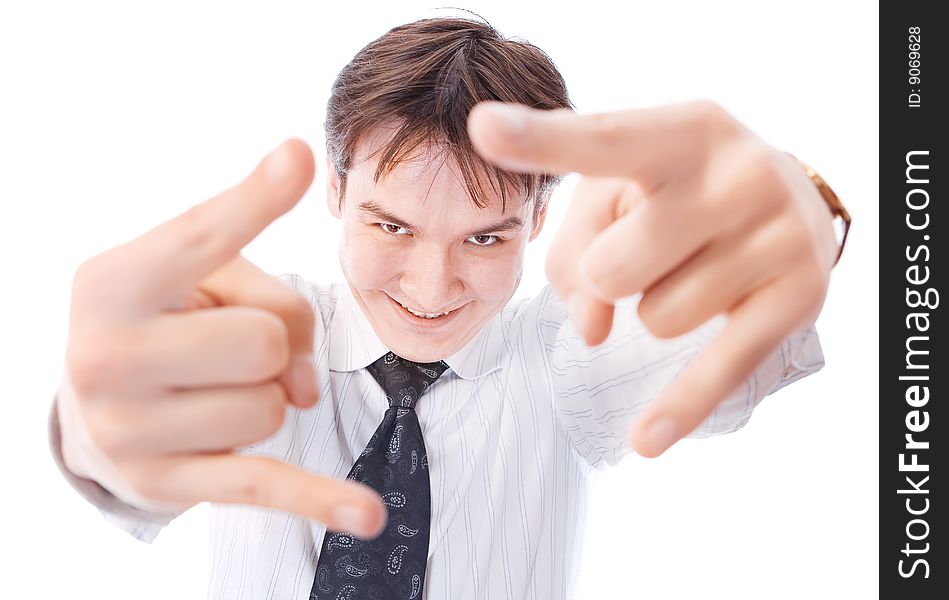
(421, 355)
(420, 348)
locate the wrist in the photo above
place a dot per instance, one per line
(837, 210)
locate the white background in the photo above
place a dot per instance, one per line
(117, 116)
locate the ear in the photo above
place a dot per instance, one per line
(332, 189)
(541, 217)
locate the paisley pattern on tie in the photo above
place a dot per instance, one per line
(395, 464)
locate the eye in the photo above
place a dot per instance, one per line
(392, 228)
(485, 240)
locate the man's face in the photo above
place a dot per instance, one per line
(416, 242)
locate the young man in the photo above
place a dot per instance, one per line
(468, 426)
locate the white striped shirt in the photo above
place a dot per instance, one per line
(515, 430)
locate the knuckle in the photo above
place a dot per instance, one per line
(194, 233)
(85, 272)
(270, 345)
(652, 315)
(273, 408)
(82, 367)
(90, 365)
(105, 433)
(708, 112)
(94, 274)
(253, 489)
(297, 310)
(711, 119)
(763, 162)
(747, 189)
(607, 128)
(145, 484)
(153, 485)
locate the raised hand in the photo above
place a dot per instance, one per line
(686, 205)
(180, 351)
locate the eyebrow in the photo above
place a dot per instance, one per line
(509, 224)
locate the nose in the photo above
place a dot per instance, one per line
(429, 280)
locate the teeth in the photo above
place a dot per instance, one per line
(424, 315)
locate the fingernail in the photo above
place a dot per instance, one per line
(278, 164)
(350, 519)
(303, 379)
(511, 118)
(661, 434)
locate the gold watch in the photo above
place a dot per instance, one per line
(837, 208)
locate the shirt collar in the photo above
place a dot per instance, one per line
(354, 344)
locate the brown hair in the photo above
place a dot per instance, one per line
(424, 78)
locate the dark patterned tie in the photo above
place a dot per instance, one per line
(394, 464)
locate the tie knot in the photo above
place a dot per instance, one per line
(403, 380)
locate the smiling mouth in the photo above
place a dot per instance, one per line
(426, 315)
(423, 315)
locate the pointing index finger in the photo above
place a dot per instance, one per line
(180, 252)
(649, 145)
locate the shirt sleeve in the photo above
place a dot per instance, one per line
(599, 390)
(141, 524)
